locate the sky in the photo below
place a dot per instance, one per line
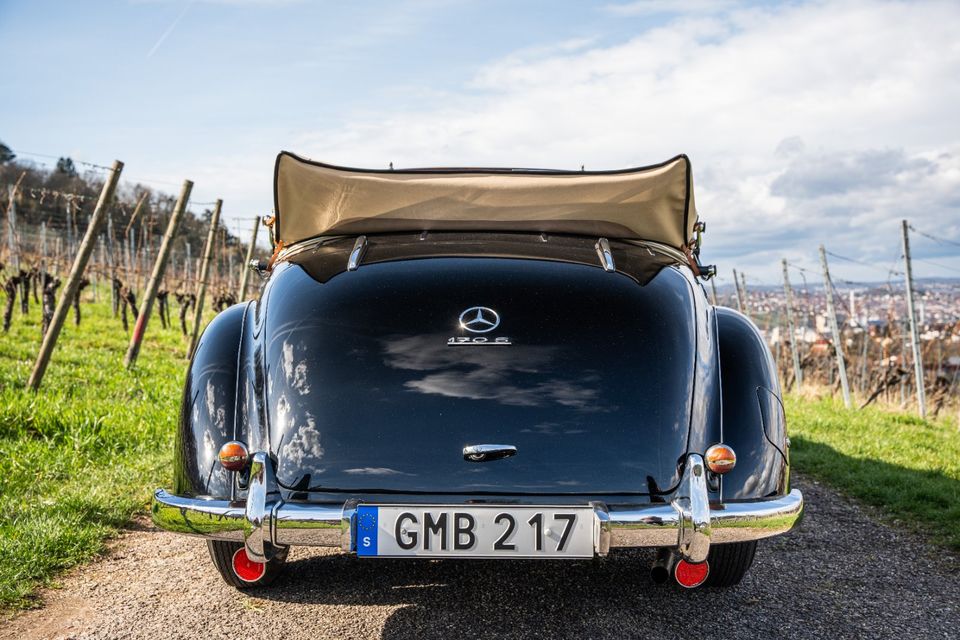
(806, 122)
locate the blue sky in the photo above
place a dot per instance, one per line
(806, 122)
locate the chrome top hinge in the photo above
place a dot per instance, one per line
(606, 256)
(357, 253)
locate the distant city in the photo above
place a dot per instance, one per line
(880, 308)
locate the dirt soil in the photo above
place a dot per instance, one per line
(842, 575)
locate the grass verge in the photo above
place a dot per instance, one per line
(83, 455)
(907, 467)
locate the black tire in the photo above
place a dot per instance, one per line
(729, 563)
(222, 553)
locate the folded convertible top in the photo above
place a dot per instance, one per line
(654, 203)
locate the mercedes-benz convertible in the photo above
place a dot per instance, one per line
(482, 363)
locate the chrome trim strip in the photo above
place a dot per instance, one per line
(606, 256)
(298, 524)
(356, 254)
(305, 245)
(666, 250)
(654, 525)
(215, 519)
(289, 523)
(658, 525)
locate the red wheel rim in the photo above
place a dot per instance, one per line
(245, 568)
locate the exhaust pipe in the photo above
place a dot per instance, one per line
(663, 564)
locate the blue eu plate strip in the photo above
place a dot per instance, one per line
(366, 531)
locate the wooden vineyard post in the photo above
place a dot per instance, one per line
(864, 356)
(43, 247)
(230, 267)
(736, 288)
(245, 267)
(834, 328)
(204, 270)
(112, 260)
(912, 319)
(188, 267)
(713, 290)
(71, 230)
(73, 280)
(136, 338)
(103, 269)
(743, 294)
(130, 245)
(13, 246)
(788, 291)
(136, 212)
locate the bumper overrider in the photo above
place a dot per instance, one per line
(687, 522)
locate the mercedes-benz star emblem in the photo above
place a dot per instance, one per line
(479, 319)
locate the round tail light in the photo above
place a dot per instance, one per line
(690, 575)
(720, 458)
(234, 455)
(245, 568)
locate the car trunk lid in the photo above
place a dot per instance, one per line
(375, 384)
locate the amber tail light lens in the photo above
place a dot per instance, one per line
(234, 456)
(720, 458)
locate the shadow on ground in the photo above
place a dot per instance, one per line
(522, 598)
(612, 597)
(840, 576)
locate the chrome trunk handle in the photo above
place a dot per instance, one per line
(488, 452)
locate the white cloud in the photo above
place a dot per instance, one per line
(661, 7)
(756, 96)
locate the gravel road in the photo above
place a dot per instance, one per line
(841, 576)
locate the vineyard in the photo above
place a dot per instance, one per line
(57, 222)
(48, 212)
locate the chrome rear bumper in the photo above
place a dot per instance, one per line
(687, 523)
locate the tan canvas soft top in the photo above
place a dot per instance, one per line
(653, 203)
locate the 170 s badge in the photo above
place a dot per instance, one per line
(478, 340)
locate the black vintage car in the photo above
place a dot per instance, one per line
(483, 363)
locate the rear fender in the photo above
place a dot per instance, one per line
(753, 419)
(208, 414)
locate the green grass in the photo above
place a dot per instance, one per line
(83, 455)
(907, 467)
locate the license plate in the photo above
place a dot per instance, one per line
(487, 531)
